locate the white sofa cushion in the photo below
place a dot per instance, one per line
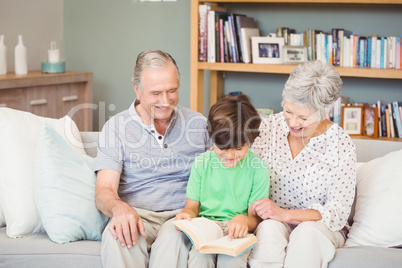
(378, 213)
(19, 132)
(65, 191)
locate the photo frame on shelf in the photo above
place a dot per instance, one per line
(267, 50)
(264, 112)
(370, 122)
(294, 54)
(352, 120)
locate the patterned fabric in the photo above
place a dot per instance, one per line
(321, 177)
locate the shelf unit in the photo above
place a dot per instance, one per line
(50, 95)
(217, 69)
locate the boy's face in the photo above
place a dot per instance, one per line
(231, 157)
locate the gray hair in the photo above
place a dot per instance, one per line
(152, 59)
(315, 85)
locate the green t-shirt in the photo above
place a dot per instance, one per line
(226, 192)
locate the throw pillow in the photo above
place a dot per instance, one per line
(19, 132)
(378, 215)
(65, 191)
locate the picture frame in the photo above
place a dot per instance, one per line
(370, 122)
(352, 120)
(294, 54)
(267, 50)
(264, 112)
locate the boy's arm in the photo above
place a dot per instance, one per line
(189, 211)
(241, 225)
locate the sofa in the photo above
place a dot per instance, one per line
(37, 250)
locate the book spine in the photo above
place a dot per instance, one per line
(362, 52)
(222, 40)
(384, 125)
(373, 52)
(330, 50)
(334, 46)
(391, 121)
(239, 41)
(397, 53)
(379, 118)
(340, 49)
(397, 117)
(202, 37)
(357, 60)
(385, 53)
(368, 52)
(211, 36)
(233, 40)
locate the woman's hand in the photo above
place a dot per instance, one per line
(266, 209)
(238, 227)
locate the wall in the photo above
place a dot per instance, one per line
(105, 37)
(38, 21)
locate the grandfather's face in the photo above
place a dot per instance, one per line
(301, 120)
(159, 95)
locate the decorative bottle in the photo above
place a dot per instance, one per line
(53, 53)
(3, 56)
(21, 64)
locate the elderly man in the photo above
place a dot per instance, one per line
(144, 158)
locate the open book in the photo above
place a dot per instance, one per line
(207, 237)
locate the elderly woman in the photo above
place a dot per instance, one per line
(312, 166)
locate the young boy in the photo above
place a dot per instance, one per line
(225, 181)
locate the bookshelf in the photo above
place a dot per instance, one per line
(217, 70)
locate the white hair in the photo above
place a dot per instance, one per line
(151, 59)
(315, 85)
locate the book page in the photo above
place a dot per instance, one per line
(205, 230)
(234, 247)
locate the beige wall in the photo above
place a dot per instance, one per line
(38, 21)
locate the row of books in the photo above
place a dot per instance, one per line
(387, 116)
(343, 48)
(224, 37)
(390, 119)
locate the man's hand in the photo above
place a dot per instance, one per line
(126, 224)
(238, 227)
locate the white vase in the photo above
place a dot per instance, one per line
(21, 62)
(3, 56)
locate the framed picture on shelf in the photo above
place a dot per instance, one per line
(351, 119)
(294, 55)
(264, 112)
(267, 50)
(370, 122)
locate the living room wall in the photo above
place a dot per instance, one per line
(105, 37)
(38, 21)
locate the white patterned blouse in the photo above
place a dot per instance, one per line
(321, 177)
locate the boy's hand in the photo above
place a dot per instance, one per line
(182, 216)
(238, 227)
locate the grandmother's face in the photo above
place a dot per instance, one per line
(301, 120)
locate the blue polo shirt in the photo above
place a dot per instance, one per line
(154, 168)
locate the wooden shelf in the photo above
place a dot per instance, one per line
(379, 138)
(286, 69)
